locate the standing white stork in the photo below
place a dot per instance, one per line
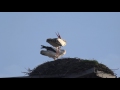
(57, 42)
(51, 52)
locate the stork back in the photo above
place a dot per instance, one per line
(56, 42)
(47, 53)
(52, 54)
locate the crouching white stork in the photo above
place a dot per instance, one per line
(57, 42)
(51, 52)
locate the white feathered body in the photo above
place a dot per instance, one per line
(52, 54)
(55, 42)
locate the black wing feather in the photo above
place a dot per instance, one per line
(48, 48)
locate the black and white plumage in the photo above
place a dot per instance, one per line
(51, 52)
(48, 48)
(57, 42)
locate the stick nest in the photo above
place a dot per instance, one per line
(68, 66)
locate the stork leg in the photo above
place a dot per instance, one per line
(57, 52)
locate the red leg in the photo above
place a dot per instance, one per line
(57, 52)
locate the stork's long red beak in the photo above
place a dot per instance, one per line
(58, 35)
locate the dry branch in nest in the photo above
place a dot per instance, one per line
(68, 66)
(28, 71)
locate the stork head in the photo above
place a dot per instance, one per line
(58, 35)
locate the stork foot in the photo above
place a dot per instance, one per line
(55, 58)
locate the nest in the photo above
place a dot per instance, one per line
(69, 66)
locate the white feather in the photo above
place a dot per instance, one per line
(55, 42)
(52, 54)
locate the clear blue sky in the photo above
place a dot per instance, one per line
(88, 34)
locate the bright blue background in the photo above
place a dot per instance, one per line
(88, 34)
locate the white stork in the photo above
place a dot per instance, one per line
(57, 42)
(51, 52)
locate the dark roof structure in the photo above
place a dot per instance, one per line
(72, 68)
